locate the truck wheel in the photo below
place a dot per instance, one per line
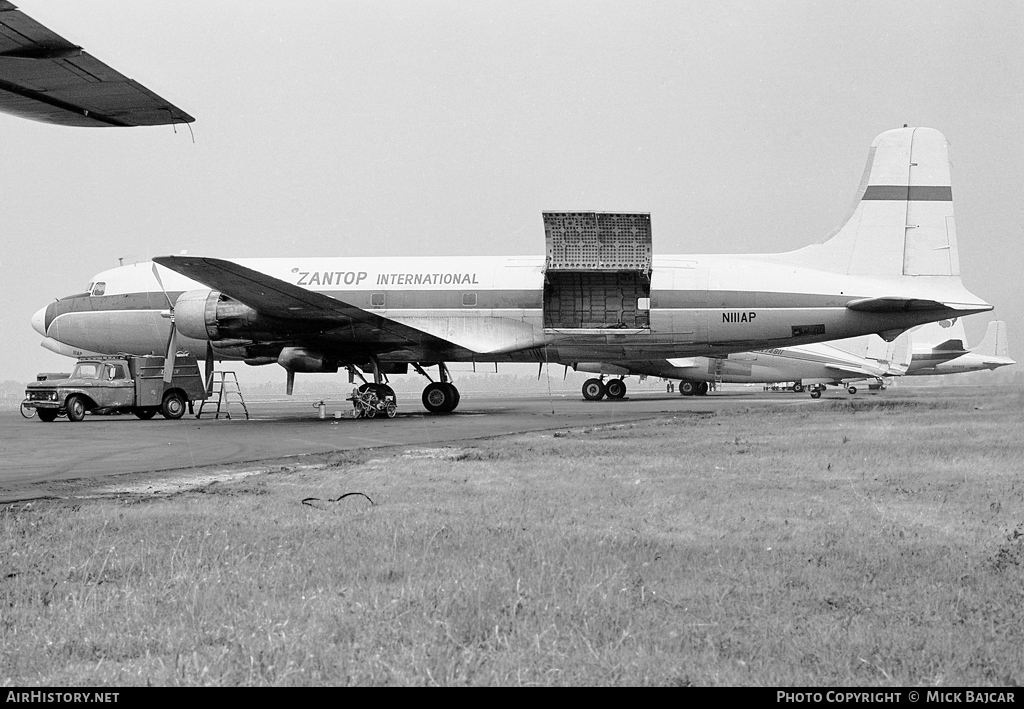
(28, 411)
(145, 414)
(173, 406)
(47, 415)
(76, 408)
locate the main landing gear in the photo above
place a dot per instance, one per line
(440, 397)
(694, 388)
(597, 389)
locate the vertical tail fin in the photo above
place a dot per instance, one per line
(994, 343)
(901, 223)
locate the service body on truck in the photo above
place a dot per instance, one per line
(117, 384)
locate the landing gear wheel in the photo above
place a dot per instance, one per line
(440, 397)
(47, 415)
(144, 414)
(815, 393)
(76, 408)
(28, 411)
(594, 390)
(703, 388)
(615, 389)
(687, 388)
(852, 390)
(391, 409)
(173, 406)
(798, 388)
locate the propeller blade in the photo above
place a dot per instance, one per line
(161, 283)
(172, 339)
(209, 367)
(291, 381)
(172, 348)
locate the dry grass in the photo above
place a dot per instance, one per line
(866, 542)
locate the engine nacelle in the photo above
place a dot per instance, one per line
(299, 359)
(210, 315)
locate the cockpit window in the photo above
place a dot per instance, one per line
(99, 288)
(86, 370)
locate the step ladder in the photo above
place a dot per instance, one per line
(223, 386)
(718, 377)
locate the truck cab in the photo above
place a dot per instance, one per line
(118, 384)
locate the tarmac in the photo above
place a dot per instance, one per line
(105, 454)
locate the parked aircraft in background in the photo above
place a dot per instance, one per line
(932, 349)
(941, 348)
(846, 362)
(44, 77)
(599, 296)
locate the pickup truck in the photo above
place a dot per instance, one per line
(117, 384)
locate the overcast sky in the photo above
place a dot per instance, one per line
(446, 128)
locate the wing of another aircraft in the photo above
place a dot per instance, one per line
(44, 77)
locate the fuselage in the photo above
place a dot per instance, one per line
(498, 308)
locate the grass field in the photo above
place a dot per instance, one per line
(871, 541)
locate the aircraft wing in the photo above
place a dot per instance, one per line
(843, 370)
(44, 77)
(276, 298)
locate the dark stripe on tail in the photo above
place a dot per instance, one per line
(909, 194)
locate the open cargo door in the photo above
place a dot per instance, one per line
(597, 275)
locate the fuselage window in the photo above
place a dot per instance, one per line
(377, 300)
(469, 300)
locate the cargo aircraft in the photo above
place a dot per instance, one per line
(599, 294)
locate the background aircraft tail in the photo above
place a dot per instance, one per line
(994, 343)
(901, 223)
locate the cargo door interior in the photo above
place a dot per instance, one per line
(597, 275)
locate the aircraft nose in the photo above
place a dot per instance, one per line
(39, 321)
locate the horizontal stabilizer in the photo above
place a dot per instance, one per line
(893, 304)
(951, 346)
